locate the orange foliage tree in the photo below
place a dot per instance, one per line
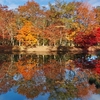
(28, 34)
(30, 11)
(86, 15)
(53, 70)
(27, 67)
(7, 24)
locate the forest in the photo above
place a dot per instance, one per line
(58, 75)
(73, 23)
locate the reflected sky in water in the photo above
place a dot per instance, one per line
(15, 96)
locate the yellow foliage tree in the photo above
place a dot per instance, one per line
(27, 35)
(71, 33)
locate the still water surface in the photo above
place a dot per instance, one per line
(50, 77)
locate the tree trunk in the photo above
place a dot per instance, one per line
(60, 37)
(43, 59)
(19, 43)
(43, 41)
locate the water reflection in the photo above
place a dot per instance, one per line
(53, 77)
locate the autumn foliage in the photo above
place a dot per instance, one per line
(85, 40)
(62, 77)
(28, 34)
(62, 23)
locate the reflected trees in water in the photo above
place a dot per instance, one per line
(30, 76)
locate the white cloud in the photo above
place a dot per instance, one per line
(94, 2)
(95, 97)
(47, 6)
(44, 0)
(12, 6)
(1, 1)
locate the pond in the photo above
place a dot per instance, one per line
(50, 77)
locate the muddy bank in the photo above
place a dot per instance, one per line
(47, 49)
(50, 50)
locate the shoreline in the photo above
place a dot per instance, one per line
(52, 50)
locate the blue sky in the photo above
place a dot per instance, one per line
(15, 3)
